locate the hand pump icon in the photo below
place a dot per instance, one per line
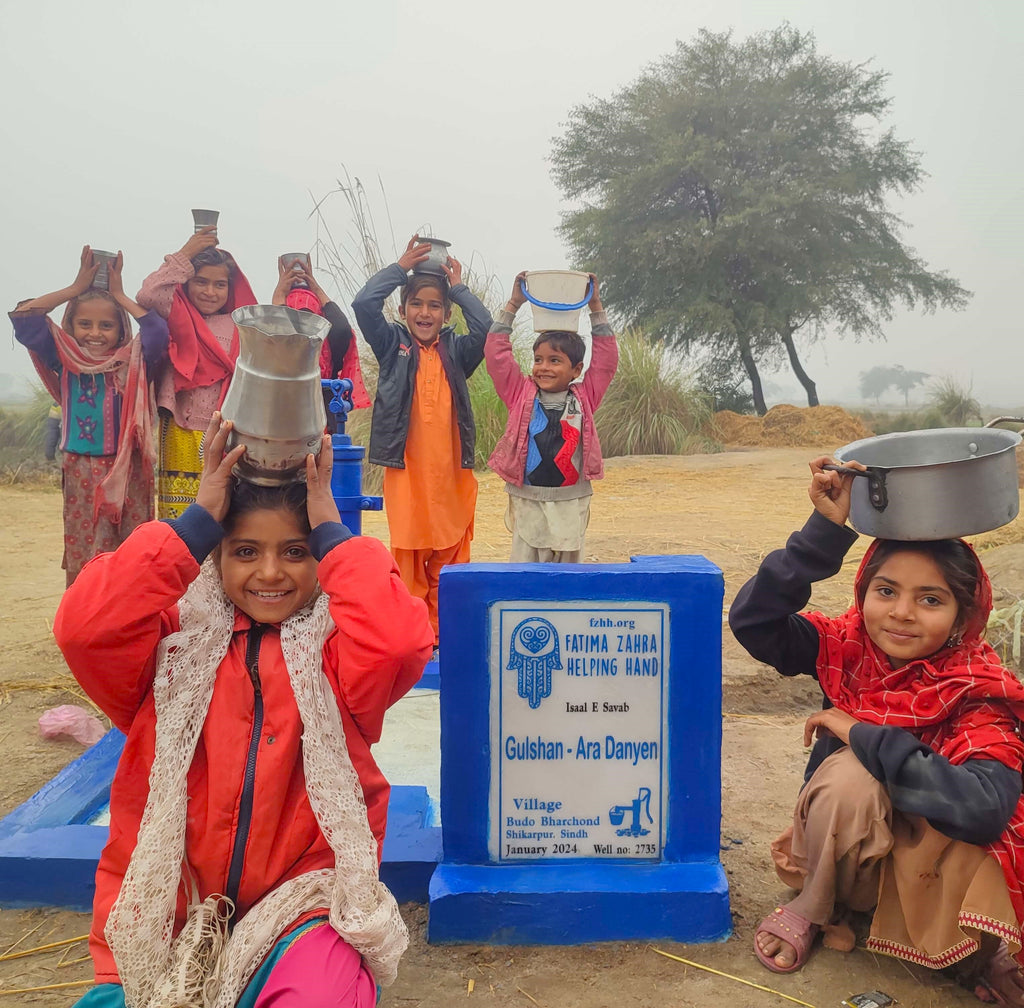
(617, 812)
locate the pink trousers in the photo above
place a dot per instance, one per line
(319, 970)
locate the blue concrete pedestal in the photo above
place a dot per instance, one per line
(572, 904)
(581, 726)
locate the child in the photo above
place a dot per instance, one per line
(196, 290)
(549, 452)
(96, 370)
(247, 812)
(422, 429)
(297, 288)
(911, 804)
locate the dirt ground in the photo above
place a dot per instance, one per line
(732, 508)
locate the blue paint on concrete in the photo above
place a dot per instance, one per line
(572, 904)
(48, 853)
(685, 895)
(75, 794)
(431, 678)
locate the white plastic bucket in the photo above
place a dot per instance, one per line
(557, 298)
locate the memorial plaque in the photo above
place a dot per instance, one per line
(578, 730)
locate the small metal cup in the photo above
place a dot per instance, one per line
(102, 278)
(289, 257)
(437, 257)
(204, 218)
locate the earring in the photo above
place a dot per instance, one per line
(954, 640)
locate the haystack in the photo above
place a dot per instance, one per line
(785, 426)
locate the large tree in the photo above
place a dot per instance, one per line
(735, 197)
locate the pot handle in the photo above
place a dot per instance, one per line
(554, 305)
(877, 492)
(1005, 419)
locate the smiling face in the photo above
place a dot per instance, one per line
(552, 369)
(208, 290)
(266, 567)
(909, 609)
(96, 327)
(425, 312)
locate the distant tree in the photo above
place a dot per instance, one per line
(875, 381)
(734, 197)
(905, 380)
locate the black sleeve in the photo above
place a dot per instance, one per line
(764, 615)
(339, 336)
(972, 802)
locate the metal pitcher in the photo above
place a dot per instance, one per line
(274, 399)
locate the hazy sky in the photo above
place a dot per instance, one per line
(118, 117)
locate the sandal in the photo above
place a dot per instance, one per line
(791, 928)
(1001, 981)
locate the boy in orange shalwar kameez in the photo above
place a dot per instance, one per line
(422, 429)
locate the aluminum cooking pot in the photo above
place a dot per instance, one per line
(933, 484)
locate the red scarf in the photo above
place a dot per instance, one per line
(301, 299)
(960, 701)
(128, 371)
(196, 355)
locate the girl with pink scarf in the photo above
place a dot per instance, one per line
(96, 371)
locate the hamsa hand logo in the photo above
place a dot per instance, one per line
(533, 653)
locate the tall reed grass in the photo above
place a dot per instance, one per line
(654, 405)
(22, 433)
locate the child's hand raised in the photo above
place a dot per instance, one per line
(452, 270)
(415, 252)
(115, 281)
(87, 270)
(830, 491)
(205, 238)
(517, 298)
(215, 484)
(595, 297)
(320, 506)
(286, 277)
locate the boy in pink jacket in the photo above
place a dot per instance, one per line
(549, 452)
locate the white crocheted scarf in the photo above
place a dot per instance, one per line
(204, 967)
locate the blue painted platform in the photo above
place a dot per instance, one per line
(431, 678)
(577, 903)
(479, 895)
(49, 850)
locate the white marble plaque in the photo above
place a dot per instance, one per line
(578, 734)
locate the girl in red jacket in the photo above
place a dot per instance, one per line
(247, 811)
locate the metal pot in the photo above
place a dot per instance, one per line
(274, 399)
(436, 258)
(933, 484)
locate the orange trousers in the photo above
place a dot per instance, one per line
(420, 570)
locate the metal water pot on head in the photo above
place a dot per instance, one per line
(274, 400)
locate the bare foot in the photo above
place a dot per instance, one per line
(839, 936)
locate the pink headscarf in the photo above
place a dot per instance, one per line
(303, 299)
